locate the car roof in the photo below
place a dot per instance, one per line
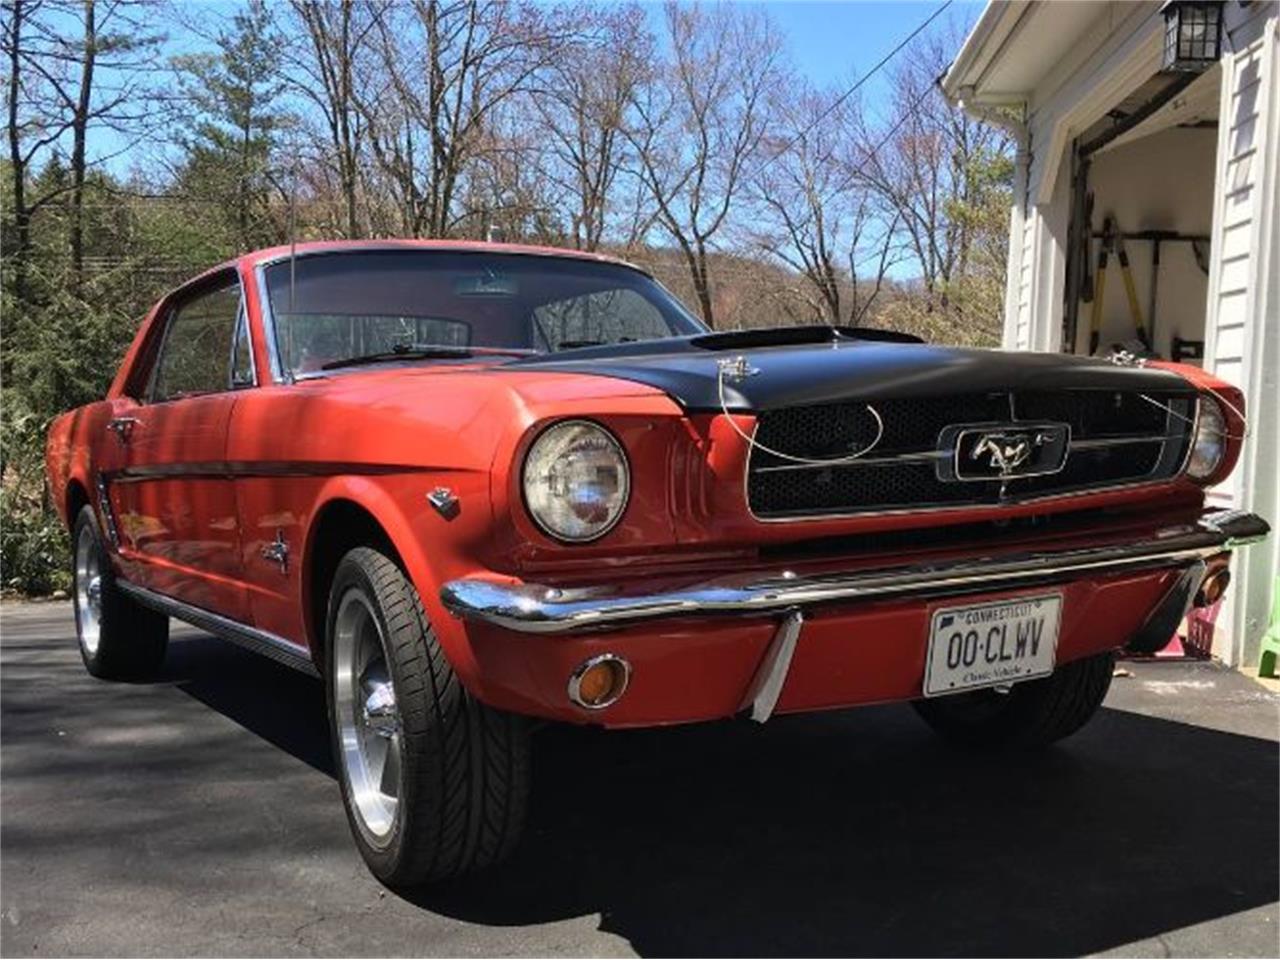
(270, 254)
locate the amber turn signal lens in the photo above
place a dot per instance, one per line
(1213, 587)
(599, 682)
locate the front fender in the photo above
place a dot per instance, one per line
(431, 547)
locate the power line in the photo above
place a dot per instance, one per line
(871, 154)
(856, 86)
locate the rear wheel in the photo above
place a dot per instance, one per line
(434, 783)
(1030, 714)
(119, 638)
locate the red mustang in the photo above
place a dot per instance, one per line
(469, 484)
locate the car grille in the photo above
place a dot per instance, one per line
(1117, 439)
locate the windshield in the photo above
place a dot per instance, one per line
(332, 307)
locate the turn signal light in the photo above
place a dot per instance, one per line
(1213, 587)
(599, 682)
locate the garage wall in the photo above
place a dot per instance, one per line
(1160, 182)
(1243, 337)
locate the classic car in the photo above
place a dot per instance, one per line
(468, 485)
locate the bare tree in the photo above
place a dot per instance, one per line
(699, 125)
(57, 53)
(443, 71)
(582, 104)
(926, 171)
(812, 216)
(335, 36)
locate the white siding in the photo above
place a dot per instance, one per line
(1243, 329)
(1021, 339)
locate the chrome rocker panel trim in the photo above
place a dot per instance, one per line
(535, 608)
(251, 638)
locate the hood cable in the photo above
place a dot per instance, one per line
(738, 369)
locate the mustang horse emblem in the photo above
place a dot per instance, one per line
(1004, 452)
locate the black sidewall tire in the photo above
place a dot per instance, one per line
(464, 766)
(384, 858)
(132, 639)
(1032, 714)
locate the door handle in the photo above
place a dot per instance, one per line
(122, 427)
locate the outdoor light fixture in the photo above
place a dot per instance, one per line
(1192, 35)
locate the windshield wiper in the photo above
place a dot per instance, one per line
(576, 344)
(425, 351)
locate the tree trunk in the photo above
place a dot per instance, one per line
(79, 127)
(18, 166)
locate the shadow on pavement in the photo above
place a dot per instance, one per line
(846, 833)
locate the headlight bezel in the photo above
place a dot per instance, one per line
(1211, 419)
(625, 474)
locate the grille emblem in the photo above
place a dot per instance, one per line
(1006, 452)
(1002, 451)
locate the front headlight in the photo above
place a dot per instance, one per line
(1209, 445)
(576, 481)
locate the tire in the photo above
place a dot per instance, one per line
(119, 638)
(460, 770)
(1031, 714)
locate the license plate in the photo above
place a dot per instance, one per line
(991, 644)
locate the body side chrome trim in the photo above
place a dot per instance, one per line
(259, 641)
(537, 608)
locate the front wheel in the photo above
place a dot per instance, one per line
(1034, 713)
(434, 783)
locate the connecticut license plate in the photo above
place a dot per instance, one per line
(989, 644)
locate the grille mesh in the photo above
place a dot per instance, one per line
(902, 471)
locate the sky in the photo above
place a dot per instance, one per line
(837, 41)
(832, 42)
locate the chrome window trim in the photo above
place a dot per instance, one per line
(274, 356)
(358, 247)
(267, 316)
(173, 302)
(242, 322)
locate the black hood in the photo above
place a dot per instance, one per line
(811, 365)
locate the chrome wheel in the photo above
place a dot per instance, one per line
(88, 587)
(368, 719)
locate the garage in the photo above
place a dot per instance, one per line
(1146, 211)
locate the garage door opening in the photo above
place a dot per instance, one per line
(1142, 212)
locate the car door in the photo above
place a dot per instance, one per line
(173, 493)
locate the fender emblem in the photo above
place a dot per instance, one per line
(278, 552)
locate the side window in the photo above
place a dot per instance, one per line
(196, 354)
(241, 356)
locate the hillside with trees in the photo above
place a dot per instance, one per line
(147, 141)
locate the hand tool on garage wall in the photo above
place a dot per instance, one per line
(1100, 285)
(1131, 292)
(1113, 239)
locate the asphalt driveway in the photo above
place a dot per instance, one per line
(199, 815)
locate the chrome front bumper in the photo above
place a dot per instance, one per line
(536, 608)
